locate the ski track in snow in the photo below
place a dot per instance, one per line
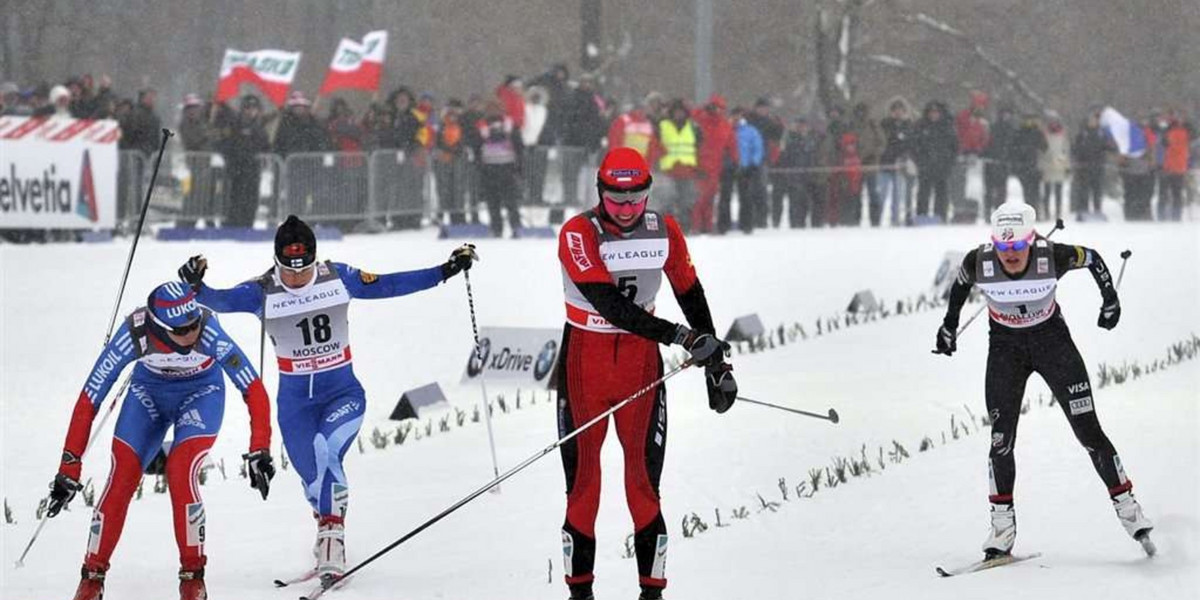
(874, 536)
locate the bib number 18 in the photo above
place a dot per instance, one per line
(318, 330)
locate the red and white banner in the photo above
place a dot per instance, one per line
(271, 71)
(58, 173)
(357, 66)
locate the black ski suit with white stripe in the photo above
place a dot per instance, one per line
(1033, 337)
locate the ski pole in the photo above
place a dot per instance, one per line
(137, 235)
(487, 409)
(1057, 225)
(92, 438)
(329, 583)
(112, 321)
(832, 417)
(1124, 259)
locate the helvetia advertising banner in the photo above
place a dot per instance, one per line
(58, 173)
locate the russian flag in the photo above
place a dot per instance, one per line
(1126, 134)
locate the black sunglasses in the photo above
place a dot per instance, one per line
(183, 330)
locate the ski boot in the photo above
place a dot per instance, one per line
(581, 591)
(331, 548)
(191, 585)
(91, 584)
(1129, 512)
(650, 593)
(1003, 534)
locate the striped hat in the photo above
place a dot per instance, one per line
(173, 305)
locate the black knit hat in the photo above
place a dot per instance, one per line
(295, 244)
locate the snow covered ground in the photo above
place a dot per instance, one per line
(875, 536)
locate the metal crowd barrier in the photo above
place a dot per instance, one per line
(328, 187)
(270, 186)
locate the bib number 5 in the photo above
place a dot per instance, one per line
(627, 286)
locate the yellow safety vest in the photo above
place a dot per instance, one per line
(679, 144)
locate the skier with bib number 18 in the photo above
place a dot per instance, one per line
(1017, 272)
(304, 306)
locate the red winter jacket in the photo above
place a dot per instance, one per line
(514, 104)
(718, 142)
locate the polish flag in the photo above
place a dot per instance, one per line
(271, 71)
(356, 66)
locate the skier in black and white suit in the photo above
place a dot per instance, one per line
(1017, 273)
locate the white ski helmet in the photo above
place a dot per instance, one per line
(1013, 221)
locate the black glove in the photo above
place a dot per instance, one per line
(62, 491)
(261, 469)
(947, 341)
(193, 270)
(722, 387)
(460, 260)
(705, 348)
(1110, 314)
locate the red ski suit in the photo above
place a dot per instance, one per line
(610, 350)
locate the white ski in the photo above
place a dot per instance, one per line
(301, 578)
(985, 564)
(325, 586)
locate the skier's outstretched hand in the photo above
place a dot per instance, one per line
(193, 270)
(722, 387)
(1110, 314)
(947, 341)
(62, 491)
(261, 469)
(460, 260)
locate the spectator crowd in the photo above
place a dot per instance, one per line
(903, 167)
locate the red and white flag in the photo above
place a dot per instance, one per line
(271, 71)
(357, 66)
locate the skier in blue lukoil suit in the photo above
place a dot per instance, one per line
(180, 351)
(303, 304)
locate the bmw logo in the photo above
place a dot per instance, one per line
(479, 358)
(545, 360)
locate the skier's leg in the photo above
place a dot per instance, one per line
(197, 422)
(298, 422)
(137, 439)
(340, 421)
(642, 430)
(1007, 371)
(581, 379)
(1058, 361)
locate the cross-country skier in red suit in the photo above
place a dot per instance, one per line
(179, 350)
(613, 259)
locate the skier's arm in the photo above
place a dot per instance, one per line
(246, 297)
(960, 290)
(216, 342)
(684, 281)
(581, 260)
(113, 359)
(1068, 257)
(370, 286)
